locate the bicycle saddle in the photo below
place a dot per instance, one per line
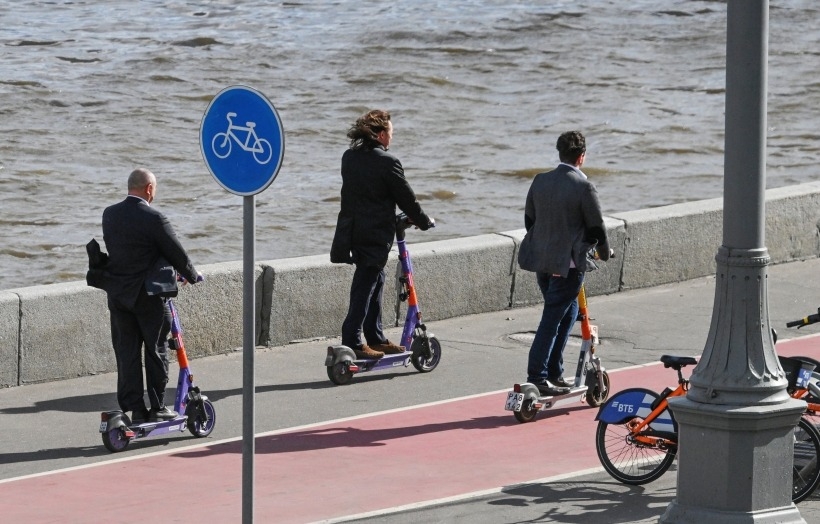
(677, 363)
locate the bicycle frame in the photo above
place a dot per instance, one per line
(658, 440)
(648, 418)
(634, 447)
(251, 133)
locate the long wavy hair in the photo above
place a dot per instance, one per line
(363, 133)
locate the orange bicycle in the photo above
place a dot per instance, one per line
(637, 436)
(806, 388)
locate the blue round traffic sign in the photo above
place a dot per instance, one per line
(242, 140)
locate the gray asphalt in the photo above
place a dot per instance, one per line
(50, 426)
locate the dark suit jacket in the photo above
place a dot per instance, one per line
(564, 222)
(136, 236)
(373, 184)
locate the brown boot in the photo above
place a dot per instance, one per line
(389, 348)
(367, 352)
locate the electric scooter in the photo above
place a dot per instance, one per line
(196, 412)
(591, 379)
(424, 349)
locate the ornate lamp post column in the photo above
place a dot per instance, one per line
(736, 422)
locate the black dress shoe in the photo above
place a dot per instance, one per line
(560, 382)
(138, 416)
(546, 388)
(163, 413)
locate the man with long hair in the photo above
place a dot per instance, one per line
(373, 184)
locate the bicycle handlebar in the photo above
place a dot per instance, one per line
(805, 321)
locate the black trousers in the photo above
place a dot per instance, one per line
(147, 325)
(364, 315)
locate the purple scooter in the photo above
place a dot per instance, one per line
(196, 412)
(424, 349)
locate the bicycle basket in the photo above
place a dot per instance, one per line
(791, 367)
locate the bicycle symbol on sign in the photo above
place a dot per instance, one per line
(261, 148)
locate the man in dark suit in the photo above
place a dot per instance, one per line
(564, 223)
(373, 184)
(137, 236)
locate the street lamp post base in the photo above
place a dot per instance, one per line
(734, 463)
(679, 513)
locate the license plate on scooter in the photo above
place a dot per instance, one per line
(514, 401)
(103, 426)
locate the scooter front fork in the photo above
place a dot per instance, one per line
(421, 342)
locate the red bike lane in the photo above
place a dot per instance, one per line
(339, 468)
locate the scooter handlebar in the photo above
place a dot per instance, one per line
(597, 257)
(183, 280)
(406, 221)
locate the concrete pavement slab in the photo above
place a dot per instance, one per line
(53, 425)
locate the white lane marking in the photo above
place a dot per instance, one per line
(459, 498)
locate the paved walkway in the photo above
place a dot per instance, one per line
(390, 447)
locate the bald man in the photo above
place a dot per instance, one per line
(137, 236)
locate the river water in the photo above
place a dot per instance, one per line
(479, 90)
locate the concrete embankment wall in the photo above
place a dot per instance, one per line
(62, 331)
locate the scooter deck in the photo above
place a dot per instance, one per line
(388, 361)
(515, 399)
(551, 401)
(153, 429)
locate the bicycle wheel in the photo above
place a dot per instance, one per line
(221, 145)
(628, 461)
(265, 152)
(806, 471)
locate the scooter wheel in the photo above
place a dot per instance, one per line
(426, 363)
(201, 419)
(115, 440)
(339, 374)
(527, 413)
(597, 394)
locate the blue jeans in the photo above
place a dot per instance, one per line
(560, 311)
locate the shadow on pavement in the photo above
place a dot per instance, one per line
(579, 502)
(99, 402)
(345, 437)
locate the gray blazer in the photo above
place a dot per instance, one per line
(564, 222)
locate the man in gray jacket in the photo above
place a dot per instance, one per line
(564, 225)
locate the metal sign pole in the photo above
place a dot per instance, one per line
(248, 348)
(244, 159)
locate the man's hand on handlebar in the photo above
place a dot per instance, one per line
(184, 281)
(409, 221)
(597, 256)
